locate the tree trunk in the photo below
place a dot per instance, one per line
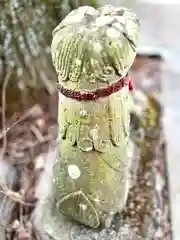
(25, 60)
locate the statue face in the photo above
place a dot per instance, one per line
(94, 46)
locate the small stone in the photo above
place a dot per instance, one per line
(131, 205)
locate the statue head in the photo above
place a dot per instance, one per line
(94, 46)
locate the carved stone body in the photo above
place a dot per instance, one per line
(91, 172)
(92, 49)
